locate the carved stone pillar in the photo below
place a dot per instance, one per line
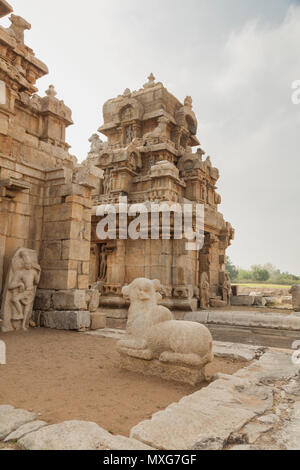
(3, 233)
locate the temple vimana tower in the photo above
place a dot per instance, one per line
(48, 202)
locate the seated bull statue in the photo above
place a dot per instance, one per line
(153, 333)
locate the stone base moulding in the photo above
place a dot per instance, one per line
(248, 319)
(165, 371)
(60, 320)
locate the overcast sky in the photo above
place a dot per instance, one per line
(236, 58)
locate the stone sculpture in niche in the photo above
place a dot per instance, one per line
(20, 289)
(205, 291)
(153, 335)
(226, 289)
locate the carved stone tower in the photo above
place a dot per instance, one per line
(148, 158)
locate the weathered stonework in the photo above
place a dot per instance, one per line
(148, 158)
(48, 202)
(156, 344)
(295, 291)
(20, 289)
(45, 197)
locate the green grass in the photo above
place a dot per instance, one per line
(262, 285)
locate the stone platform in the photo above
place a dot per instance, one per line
(165, 371)
(250, 319)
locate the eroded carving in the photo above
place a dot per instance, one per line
(97, 145)
(226, 289)
(152, 333)
(20, 289)
(17, 27)
(205, 291)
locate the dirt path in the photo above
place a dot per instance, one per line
(66, 376)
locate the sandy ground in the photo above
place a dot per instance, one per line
(66, 376)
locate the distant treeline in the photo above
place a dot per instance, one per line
(260, 273)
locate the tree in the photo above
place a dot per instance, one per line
(260, 274)
(231, 269)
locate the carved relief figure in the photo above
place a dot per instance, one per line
(20, 289)
(152, 332)
(107, 182)
(96, 145)
(159, 131)
(129, 134)
(226, 289)
(205, 291)
(17, 27)
(102, 263)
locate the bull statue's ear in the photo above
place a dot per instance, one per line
(157, 285)
(126, 292)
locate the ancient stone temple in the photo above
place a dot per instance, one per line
(48, 202)
(45, 197)
(148, 157)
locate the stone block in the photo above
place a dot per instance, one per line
(205, 419)
(58, 279)
(63, 320)
(11, 419)
(220, 317)
(43, 300)
(63, 212)
(24, 430)
(78, 435)
(3, 124)
(98, 321)
(115, 323)
(199, 317)
(19, 226)
(76, 250)
(166, 371)
(83, 282)
(70, 300)
(260, 301)
(217, 303)
(242, 300)
(295, 291)
(51, 250)
(65, 230)
(235, 290)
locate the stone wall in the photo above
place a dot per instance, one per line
(45, 197)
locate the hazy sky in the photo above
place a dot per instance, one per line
(236, 58)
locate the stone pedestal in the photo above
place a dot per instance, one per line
(66, 320)
(172, 372)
